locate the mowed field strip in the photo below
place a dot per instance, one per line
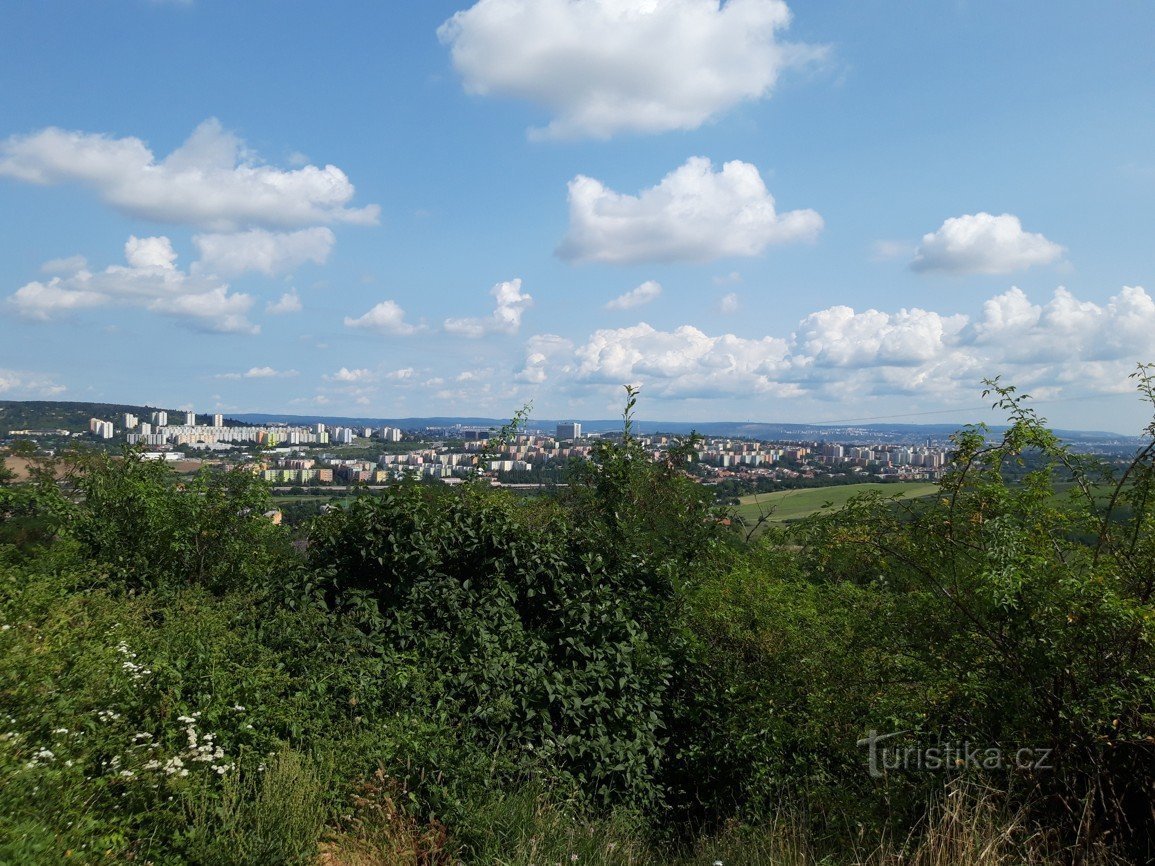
(794, 504)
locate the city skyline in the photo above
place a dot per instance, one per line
(847, 213)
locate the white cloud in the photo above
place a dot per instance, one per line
(347, 375)
(608, 66)
(511, 302)
(23, 384)
(839, 353)
(385, 318)
(543, 352)
(215, 310)
(838, 337)
(728, 304)
(683, 362)
(151, 281)
(983, 244)
(44, 301)
(150, 253)
(260, 373)
(211, 181)
(401, 375)
(694, 214)
(643, 294)
(261, 250)
(289, 302)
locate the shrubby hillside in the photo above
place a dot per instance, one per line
(608, 676)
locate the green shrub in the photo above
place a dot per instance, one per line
(152, 531)
(536, 641)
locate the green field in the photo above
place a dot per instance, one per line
(794, 504)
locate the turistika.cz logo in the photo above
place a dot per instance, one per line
(883, 757)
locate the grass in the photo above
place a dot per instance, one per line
(966, 826)
(786, 505)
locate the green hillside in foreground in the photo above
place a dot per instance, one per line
(785, 505)
(605, 675)
(53, 415)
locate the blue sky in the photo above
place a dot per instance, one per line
(852, 209)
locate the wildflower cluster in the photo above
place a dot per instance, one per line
(136, 672)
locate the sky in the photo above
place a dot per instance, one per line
(836, 211)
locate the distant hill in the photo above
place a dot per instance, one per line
(73, 416)
(52, 415)
(752, 430)
(68, 415)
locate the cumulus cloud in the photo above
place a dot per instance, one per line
(347, 375)
(215, 310)
(260, 373)
(684, 362)
(543, 352)
(212, 181)
(839, 351)
(694, 214)
(385, 318)
(151, 281)
(643, 294)
(263, 251)
(606, 66)
(511, 302)
(289, 302)
(983, 244)
(728, 303)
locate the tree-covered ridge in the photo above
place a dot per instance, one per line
(63, 415)
(612, 673)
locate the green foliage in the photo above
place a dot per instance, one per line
(539, 643)
(459, 674)
(151, 531)
(68, 415)
(982, 615)
(274, 816)
(643, 509)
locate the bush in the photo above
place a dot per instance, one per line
(152, 531)
(538, 640)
